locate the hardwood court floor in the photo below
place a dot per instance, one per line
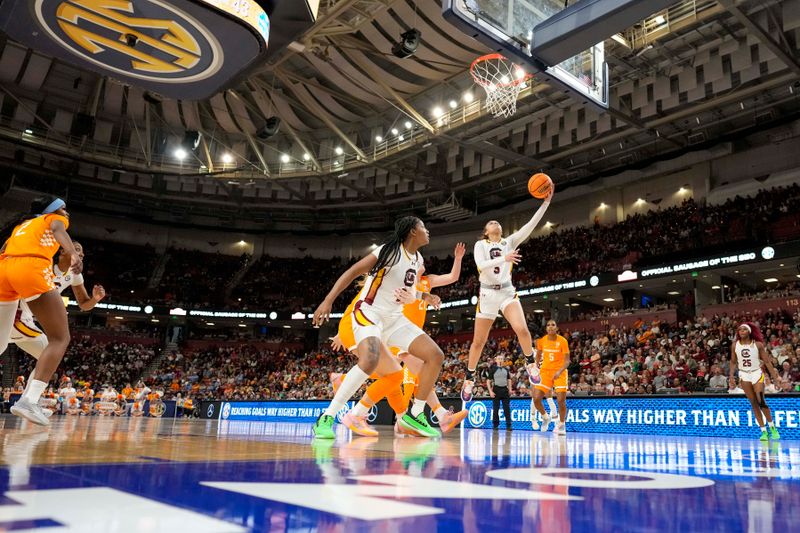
(128, 474)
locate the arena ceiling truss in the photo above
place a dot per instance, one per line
(365, 135)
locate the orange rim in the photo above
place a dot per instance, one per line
(495, 56)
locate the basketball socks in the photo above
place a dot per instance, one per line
(771, 424)
(30, 380)
(470, 374)
(439, 411)
(360, 409)
(551, 405)
(35, 390)
(350, 384)
(417, 407)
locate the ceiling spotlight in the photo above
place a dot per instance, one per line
(659, 19)
(438, 112)
(468, 98)
(180, 153)
(227, 158)
(453, 104)
(306, 156)
(409, 41)
(285, 158)
(408, 124)
(339, 150)
(401, 138)
(378, 138)
(394, 131)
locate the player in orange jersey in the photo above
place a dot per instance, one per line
(553, 358)
(26, 273)
(398, 398)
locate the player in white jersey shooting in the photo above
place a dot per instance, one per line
(378, 322)
(748, 353)
(495, 256)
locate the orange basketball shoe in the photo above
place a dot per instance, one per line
(451, 420)
(358, 425)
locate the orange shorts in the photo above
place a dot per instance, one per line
(25, 278)
(549, 382)
(345, 332)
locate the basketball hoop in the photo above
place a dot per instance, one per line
(502, 80)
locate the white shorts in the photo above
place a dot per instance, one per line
(395, 331)
(28, 337)
(753, 376)
(493, 301)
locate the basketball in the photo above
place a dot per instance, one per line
(540, 185)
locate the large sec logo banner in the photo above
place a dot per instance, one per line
(718, 416)
(179, 49)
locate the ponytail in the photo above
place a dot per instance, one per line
(390, 253)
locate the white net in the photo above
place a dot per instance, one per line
(502, 80)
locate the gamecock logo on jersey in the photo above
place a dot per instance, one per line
(494, 253)
(411, 277)
(148, 39)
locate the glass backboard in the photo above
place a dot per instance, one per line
(508, 26)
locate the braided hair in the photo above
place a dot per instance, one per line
(390, 253)
(37, 206)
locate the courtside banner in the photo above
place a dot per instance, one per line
(706, 416)
(282, 411)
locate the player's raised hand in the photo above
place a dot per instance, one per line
(434, 301)
(514, 257)
(75, 263)
(322, 314)
(459, 250)
(336, 343)
(98, 293)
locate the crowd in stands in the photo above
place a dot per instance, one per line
(774, 290)
(200, 279)
(123, 269)
(687, 357)
(197, 279)
(88, 360)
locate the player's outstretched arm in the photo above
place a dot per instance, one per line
(448, 279)
(86, 302)
(62, 237)
(521, 235)
(323, 312)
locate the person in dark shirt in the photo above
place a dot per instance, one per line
(498, 382)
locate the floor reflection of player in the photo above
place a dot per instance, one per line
(548, 515)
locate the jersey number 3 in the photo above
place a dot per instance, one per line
(494, 253)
